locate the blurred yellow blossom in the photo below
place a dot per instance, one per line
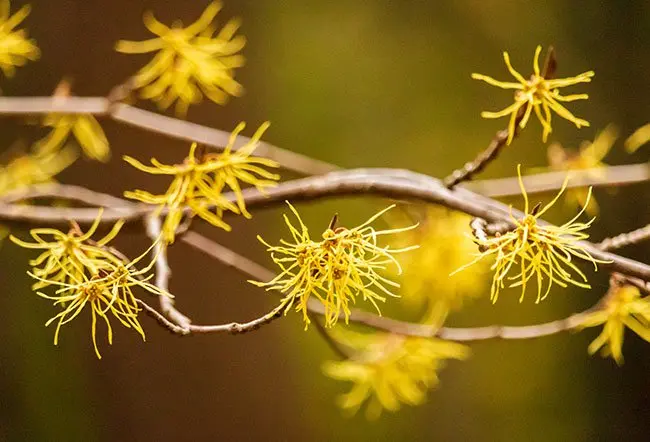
(388, 370)
(537, 94)
(537, 250)
(191, 62)
(340, 268)
(622, 307)
(589, 157)
(86, 130)
(640, 137)
(199, 182)
(30, 169)
(87, 272)
(15, 48)
(445, 242)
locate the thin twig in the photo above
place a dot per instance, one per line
(234, 328)
(163, 273)
(181, 323)
(254, 270)
(625, 239)
(171, 127)
(485, 157)
(610, 176)
(176, 329)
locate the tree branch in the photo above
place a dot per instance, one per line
(610, 176)
(391, 183)
(255, 271)
(171, 127)
(163, 273)
(626, 239)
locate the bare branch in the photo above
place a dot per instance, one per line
(163, 273)
(485, 157)
(610, 176)
(254, 270)
(391, 183)
(625, 239)
(171, 127)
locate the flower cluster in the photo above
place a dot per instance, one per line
(537, 250)
(86, 130)
(191, 62)
(200, 180)
(389, 369)
(337, 270)
(445, 243)
(622, 307)
(87, 272)
(537, 94)
(15, 48)
(589, 157)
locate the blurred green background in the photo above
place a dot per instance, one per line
(358, 83)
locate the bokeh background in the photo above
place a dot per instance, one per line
(357, 83)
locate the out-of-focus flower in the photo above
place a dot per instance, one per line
(87, 272)
(389, 370)
(589, 157)
(199, 182)
(640, 137)
(26, 170)
(545, 252)
(191, 62)
(622, 307)
(537, 94)
(340, 268)
(15, 48)
(86, 130)
(445, 242)
(30, 169)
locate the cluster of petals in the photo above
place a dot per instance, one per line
(86, 272)
(535, 250)
(337, 270)
(190, 63)
(536, 94)
(199, 182)
(389, 370)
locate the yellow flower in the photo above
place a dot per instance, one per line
(390, 369)
(340, 268)
(15, 48)
(589, 157)
(537, 94)
(67, 257)
(445, 242)
(39, 168)
(199, 183)
(623, 307)
(27, 170)
(638, 138)
(88, 272)
(86, 130)
(190, 62)
(540, 251)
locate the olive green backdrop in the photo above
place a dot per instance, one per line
(358, 83)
